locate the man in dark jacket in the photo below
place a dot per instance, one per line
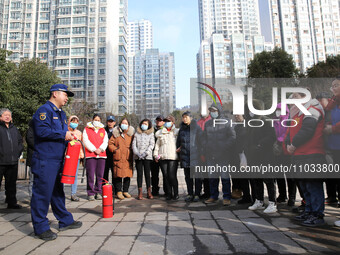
(218, 142)
(110, 124)
(10, 151)
(188, 145)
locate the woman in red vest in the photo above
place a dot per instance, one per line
(95, 141)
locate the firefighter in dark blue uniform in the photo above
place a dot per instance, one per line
(50, 138)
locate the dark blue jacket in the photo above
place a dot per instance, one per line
(50, 127)
(188, 139)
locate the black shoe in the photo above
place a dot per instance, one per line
(314, 221)
(74, 225)
(245, 200)
(48, 235)
(176, 197)
(330, 200)
(281, 199)
(14, 206)
(205, 196)
(304, 216)
(168, 197)
(291, 202)
(338, 204)
(155, 193)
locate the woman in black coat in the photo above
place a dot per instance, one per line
(188, 146)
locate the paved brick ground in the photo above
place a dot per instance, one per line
(161, 227)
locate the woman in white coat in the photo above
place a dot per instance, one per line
(165, 153)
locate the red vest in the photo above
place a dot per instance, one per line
(314, 145)
(96, 139)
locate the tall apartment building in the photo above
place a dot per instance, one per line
(229, 17)
(84, 41)
(154, 83)
(308, 30)
(228, 58)
(230, 36)
(140, 38)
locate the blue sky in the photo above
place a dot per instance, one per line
(176, 29)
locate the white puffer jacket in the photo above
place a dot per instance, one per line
(166, 144)
(144, 141)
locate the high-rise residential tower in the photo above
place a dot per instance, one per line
(84, 41)
(309, 30)
(154, 83)
(230, 37)
(140, 38)
(229, 17)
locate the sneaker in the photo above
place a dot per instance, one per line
(226, 202)
(205, 196)
(338, 204)
(74, 225)
(91, 198)
(314, 221)
(99, 196)
(281, 199)
(188, 198)
(120, 195)
(302, 217)
(337, 223)
(196, 199)
(245, 200)
(210, 201)
(330, 200)
(48, 235)
(271, 208)
(127, 195)
(74, 198)
(14, 206)
(258, 205)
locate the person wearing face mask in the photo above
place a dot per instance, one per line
(282, 159)
(165, 153)
(73, 123)
(95, 141)
(120, 144)
(142, 145)
(218, 141)
(259, 150)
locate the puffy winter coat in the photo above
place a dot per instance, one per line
(144, 141)
(78, 134)
(188, 140)
(120, 145)
(166, 144)
(218, 141)
(10, 144)
(259, 140)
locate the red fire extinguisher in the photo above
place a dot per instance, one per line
(71, 162)
(107, 200)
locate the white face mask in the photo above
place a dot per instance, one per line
(251, 114)
(278, 113)
(96, 123)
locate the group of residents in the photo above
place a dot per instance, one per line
(117, 148)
